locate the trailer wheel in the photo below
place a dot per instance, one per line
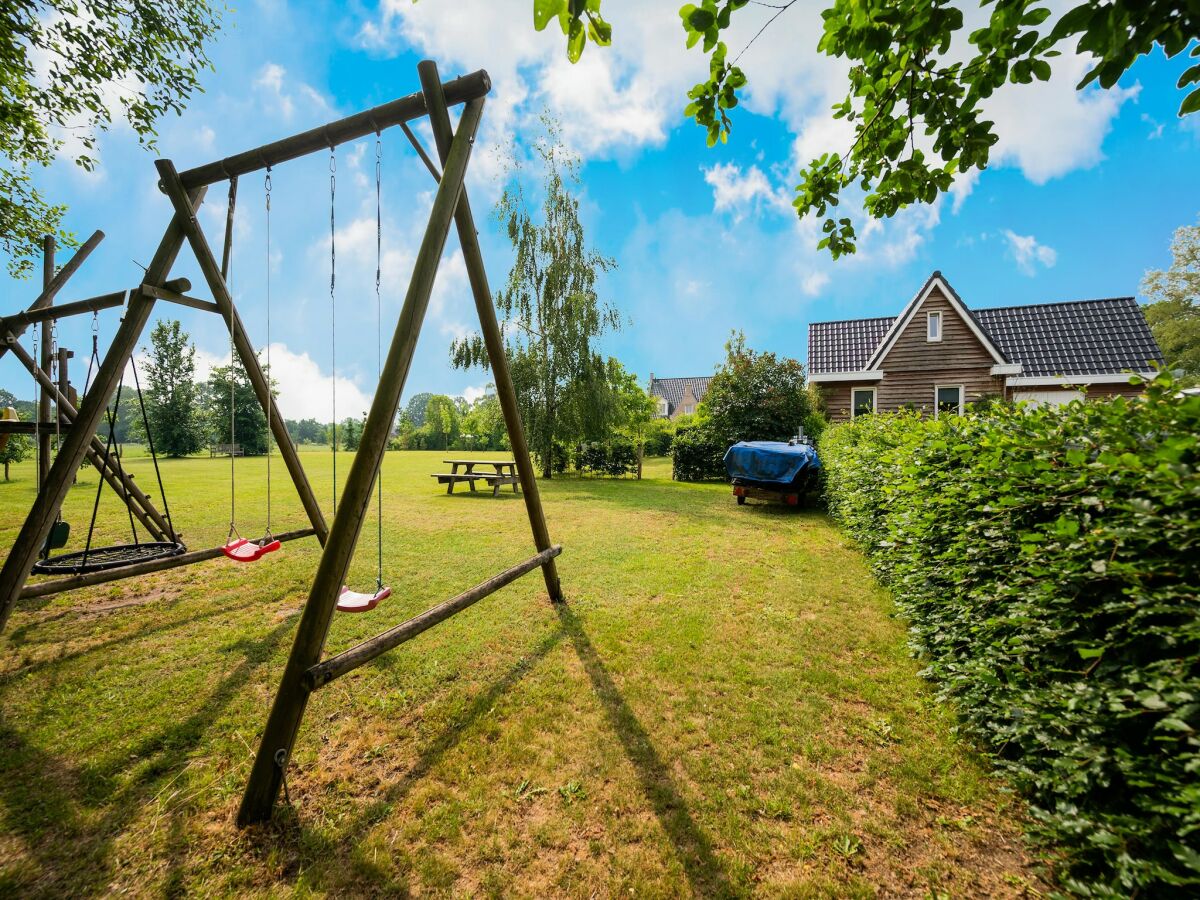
(741, 500)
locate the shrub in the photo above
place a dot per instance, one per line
(697, 454)
(614, 457)
(1048, 563)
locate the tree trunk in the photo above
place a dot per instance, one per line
(6, 470)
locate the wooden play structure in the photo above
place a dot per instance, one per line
(76, 426)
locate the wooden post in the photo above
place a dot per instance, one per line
(18, 322)
(170, 183)
(288, 709)
(43, 408)
(468, 238)
(45, 509)
(56, 283)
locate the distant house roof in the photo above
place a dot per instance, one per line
(671, 389)
(1082, 337)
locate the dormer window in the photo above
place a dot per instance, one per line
(662, 407)
(934, 326)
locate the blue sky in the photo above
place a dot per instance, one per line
(1086, 190)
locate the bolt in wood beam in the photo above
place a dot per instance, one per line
(288, 709)
(468, 238)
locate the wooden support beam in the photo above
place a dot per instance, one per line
(170, 296)
(98, 455)
(216, 284)
(74, 582)
(468, 238)
(405, 109)
(20, 321)
(288, 709)
(50, 291)
(337, 666)
(43, 407)
(7, 427)
(36, 528)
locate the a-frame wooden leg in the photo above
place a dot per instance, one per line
(288, 709)
(439, 118)
(50, 498)
(212, 274)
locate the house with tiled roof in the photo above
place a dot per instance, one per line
(678, 396)
(938, 355)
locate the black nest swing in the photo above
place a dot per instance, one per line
(99, 559)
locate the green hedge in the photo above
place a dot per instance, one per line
(698, 455)
(1047, 561)
(614, 457)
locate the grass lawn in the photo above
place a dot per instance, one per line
(725, 706)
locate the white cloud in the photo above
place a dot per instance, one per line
(280, 93)
(1049, 129)
(1028, 253)
(813, 282)
(474, 392)
(739, 192)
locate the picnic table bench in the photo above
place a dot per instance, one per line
(504, 472)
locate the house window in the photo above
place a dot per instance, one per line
(689, 409)
(949, 399)
(862, 402)
(662, 407)
(934, 320)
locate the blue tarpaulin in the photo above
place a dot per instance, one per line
(771, 462)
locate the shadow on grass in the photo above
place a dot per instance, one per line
(289, 833)
(694, 850)
(692, 846)
(47, 802)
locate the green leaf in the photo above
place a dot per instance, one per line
(1191, 104)
(544, 11)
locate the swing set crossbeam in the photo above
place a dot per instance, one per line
(74, 582)
(404, 109)
(336, 666)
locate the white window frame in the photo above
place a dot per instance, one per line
(689, 409)
(664, 408)
(962, 397)
(930, 317)
(874, 400)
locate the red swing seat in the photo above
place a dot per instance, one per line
(242, 550)
(353, 601)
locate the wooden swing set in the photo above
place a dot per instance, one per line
(77, 427)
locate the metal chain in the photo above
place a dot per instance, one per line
(270, 387)
(333, 309)
(378, 345)
(54, 376)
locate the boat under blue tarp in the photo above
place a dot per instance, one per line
(770, 462)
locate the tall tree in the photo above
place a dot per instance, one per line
(72, 67)
(171, 391)
(910, 76)
(551, 311)
(248, 418)
(415, 410)
(441, 422)
(756, 396)
(1174, 313)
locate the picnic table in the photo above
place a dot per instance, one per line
(504, 471)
